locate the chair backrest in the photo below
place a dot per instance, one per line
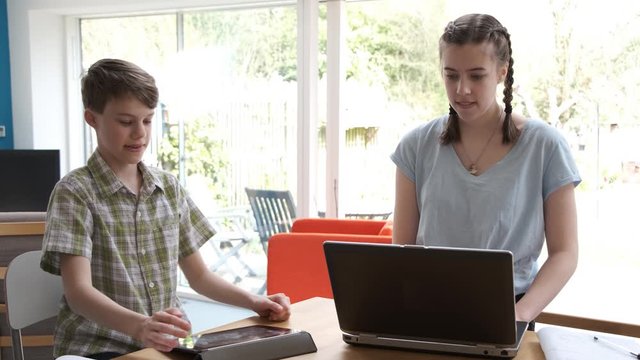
(297, 267)
(32, 295)
(273, 210)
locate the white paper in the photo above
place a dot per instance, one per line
(562, 343)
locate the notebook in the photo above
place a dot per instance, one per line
(436, 299)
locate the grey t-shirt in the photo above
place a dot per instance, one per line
(500, 209)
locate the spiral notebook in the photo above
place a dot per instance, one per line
(425, 298)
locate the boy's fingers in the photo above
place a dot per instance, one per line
(170, 324)
(276, 307)
(162, 342)
(175, 311)
(180, 323)
(169, 329)
(174, 317)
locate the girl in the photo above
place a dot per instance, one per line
(485, 177)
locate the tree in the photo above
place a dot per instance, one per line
(249, 36)
(398, 48)
(204, 154)
(147, 40)
(581, 76)
(557, 91)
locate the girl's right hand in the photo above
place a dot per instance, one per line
(161, 330)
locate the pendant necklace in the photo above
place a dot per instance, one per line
(473, 168)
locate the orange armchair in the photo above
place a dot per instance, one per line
(296, 264)
(342, 226)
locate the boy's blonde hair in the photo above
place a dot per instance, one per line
(108, 79)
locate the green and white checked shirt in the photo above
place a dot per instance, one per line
(133, 243)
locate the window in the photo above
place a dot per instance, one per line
(148, 41)
(221, 126)
(227, 114)
(228, 88)
(563, 75)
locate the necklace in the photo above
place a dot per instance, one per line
(473, 168)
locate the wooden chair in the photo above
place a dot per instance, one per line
(273, 210)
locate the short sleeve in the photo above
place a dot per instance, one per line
(560, 167)
(68, 226)
(405, 155)
(195, 229)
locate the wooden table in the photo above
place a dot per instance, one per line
(318, 317)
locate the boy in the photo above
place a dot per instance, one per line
(117, 230)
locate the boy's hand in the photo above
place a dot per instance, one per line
(160, 330)
(275, 307)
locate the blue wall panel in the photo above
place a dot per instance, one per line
(6, 118)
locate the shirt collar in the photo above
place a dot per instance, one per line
(108, 183)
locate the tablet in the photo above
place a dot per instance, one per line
(199, 343)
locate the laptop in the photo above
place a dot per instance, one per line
(437, 299)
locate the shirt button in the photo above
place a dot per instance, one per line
(152, 284)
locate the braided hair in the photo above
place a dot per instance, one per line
(476, 29)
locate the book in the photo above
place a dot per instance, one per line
(563, 343)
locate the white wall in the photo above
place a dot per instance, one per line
(42, 39)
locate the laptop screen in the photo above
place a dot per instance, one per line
(413, 292)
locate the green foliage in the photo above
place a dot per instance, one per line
(144, 40)
(582, 77)
(205, 154)
(399, 50)
(262, 41)
(394, 48)
(580, 84)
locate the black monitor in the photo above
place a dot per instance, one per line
(27, 178)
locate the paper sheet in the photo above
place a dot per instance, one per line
(562, 343)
